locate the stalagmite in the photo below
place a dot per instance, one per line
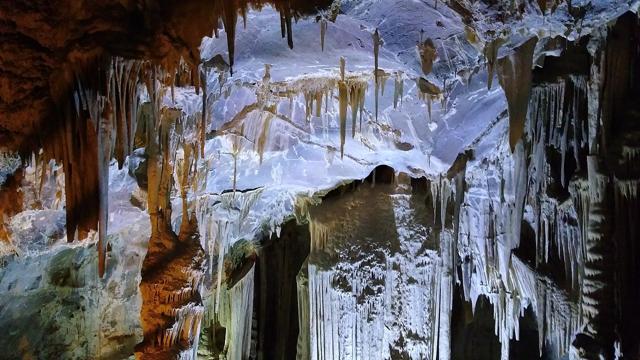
(514, 73)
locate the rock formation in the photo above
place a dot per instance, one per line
(233, 217)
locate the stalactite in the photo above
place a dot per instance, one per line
(264, 135)
(428, 92)
(303, 351)
(558, 318)
(124, 102)
(235, 152)
(343, 95)
(444, 296)
(377, 41)
(230, 18)
(383, 77)
(319, 234)
(104, 156)
(184, 173)
(223, 219)
(235, 315)
(323, 32)
(377, 95)
(596, 292)
(428, 54)
(398, 91)
(356, 96)
(327, 95)
(318, 99)
(440, 194)
(243, 13)
(204, 112)
(509, 282)
(514, 73)
(308, 104)
(362, 99)
(283, 26)
(491, 55)
(287, 19)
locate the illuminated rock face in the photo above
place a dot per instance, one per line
(250, 197)
(374, 276)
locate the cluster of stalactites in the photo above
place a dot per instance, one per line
(228, 10)
(351, 90)
(512, 291)
(514, 75)
(441, 190)
(231, 295)
(350, 93)
(98, 122)
(557, 119)
(173, 141)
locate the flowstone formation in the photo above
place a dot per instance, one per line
(395, 180)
